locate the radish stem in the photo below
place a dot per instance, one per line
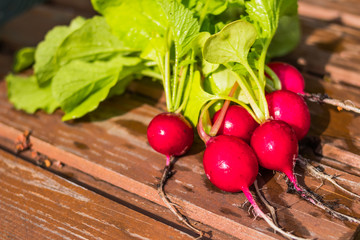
(273, 77)
(200, 126)
(218, 122)
(180, 89)
(175, 78)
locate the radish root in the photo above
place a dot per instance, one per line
(324, 98)
(266, 203)
(166, 175)
(258, 213)
(317, 201)
(304, 163)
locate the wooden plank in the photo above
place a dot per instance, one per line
(345, 11)
(35, 204)
(6, 61)
(128, 199)
(142, 189)
(29, 28)
(111, 144)
(337, 130)
(83, 6)
(88, 145)
(329, 50)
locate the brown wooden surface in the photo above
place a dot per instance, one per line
(36, 204)
(107, 151)
(345, 11)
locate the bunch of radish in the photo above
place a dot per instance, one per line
(264, 125)
(202, 52)
(232, 157)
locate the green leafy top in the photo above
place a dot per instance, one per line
(182, 23)
(134, 22)
(45, 65)
(183, 43)
(231, 44)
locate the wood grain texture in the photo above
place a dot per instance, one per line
(81, 6)
(112, 146)
(29, 28)
(35, 204)
(329, 50)
(347, 12)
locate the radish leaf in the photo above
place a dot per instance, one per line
(197, 99)
(133, 21)
(93, 41)
(182, 23)
(231, 44)
(25, 94)
(45, 65)
(80, 86)
(24, 58)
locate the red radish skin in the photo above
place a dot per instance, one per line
(290, 78)
(291, 108)
(237, 122)
(170, 134)
(230, 163)
(276, 147)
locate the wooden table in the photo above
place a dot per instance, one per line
(96, 178)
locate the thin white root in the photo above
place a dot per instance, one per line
(258, 212)
(323, 98)
(170, 205)
(321, 184)
(267, 204)
(277, 229)
(304, 163)
(244, 203)
(312, 199)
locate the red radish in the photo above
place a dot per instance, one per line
(275, 144)
(276, 147)
(230, 163)
(290, 78)
(170, 134)
(232, 166)
(237, 122)
(290, 108)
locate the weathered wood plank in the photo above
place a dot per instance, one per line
(6, 61)
(35, 204)
(329, 50)
(111, 144)
(112, 141)
(345, 11)
(83, 6)
(96, 170)
(126, 198)
(338, 131)
(29, 28)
